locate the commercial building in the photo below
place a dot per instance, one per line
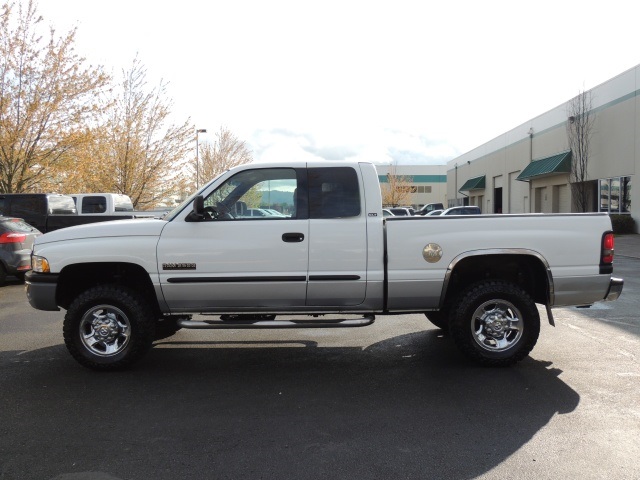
(425, 183)
(528, 169)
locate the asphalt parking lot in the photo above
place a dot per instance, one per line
(393, 400)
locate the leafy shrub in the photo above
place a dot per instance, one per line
(623, 224)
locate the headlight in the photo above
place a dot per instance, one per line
(39, 264)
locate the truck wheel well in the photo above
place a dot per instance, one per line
(525, 271)
(74, 279)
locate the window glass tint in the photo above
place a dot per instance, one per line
(61, 205)
(604, 195)
(95, 204)
(261, 194)
(615, 195)
(27, 205)
(625, 195)
(122, 203)
(333, 192)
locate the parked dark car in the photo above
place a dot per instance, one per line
(16, 240)
(401, 211)
(430, 207)
(466, 210)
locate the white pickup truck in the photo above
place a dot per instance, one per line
(102, 203)
(125, 284)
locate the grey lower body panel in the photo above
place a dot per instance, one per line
(414, 295)
(581, 290)
(42, 295)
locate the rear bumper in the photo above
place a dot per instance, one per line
(41, 290)
(16, 262)
(615, 288)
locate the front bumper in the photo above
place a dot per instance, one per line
(615, 288)
(41, 290)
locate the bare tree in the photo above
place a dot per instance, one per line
(397, 189)
(224, 152)
(47, 97)
(136, 151)
(579, 131)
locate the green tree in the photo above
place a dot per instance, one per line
(47, 97)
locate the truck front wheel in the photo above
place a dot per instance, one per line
(108, 327)
(439, 318)
(495, 323)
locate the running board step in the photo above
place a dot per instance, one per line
(324, 323)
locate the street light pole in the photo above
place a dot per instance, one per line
(456, 187)
(198, 131)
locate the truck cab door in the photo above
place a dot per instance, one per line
(337, 238)
(230, 261)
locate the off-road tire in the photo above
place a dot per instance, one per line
(489, 308)
(125, 326)
(440, 319)
(167, 327)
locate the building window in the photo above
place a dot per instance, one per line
(615, 195)
(424, 189)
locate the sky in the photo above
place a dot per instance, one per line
(407, 82)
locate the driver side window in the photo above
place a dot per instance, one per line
(260, 194)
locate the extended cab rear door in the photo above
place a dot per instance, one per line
(337, 237)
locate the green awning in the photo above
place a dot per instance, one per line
(475, 183)
(553, 165)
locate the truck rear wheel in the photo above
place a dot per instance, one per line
(108, 327)
(495, 323)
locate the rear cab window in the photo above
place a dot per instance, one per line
(61, 205)
(334, 192)
(122, 203)
(94, 204)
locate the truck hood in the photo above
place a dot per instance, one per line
(113, 228)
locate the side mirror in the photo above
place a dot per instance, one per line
(197, 214)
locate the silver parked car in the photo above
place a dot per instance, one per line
(16, 240)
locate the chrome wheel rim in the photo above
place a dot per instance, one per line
(105, 330)
(496, 325)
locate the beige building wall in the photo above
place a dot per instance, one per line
(428, 181)
(614, 153)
